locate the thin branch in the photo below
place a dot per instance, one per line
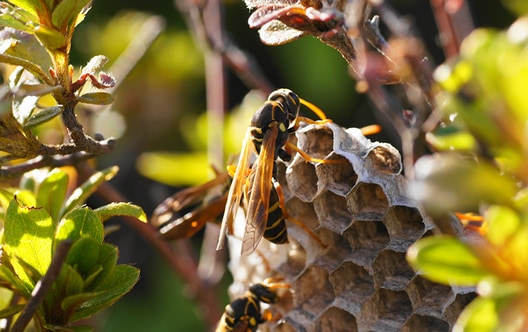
(43, 286)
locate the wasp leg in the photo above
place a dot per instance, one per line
(285, 215)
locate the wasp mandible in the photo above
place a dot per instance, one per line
(244, 313)
(267, 135)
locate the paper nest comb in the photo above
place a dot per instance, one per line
(357, 206)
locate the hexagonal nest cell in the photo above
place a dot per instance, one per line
(349, 272)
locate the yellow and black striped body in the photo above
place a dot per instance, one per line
(244, 314)
(276, 230)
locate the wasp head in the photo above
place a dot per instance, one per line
(289, 100)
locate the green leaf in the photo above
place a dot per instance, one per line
(478, 316)
(26, 47)
(51, 193)
(66, 12)
(84, 255)
(82, 193)
(43, 116)
(8, 276)
(78, 223)
(28, 234)
(51, 38)
(446, 260)
(11, 310)
(108, 255)
(121, 209)
(23, 18)
(34, 7)
(447, 182)
(120, 282)
(72, 302)
(176, 169)
(97, 98)
(69, 282)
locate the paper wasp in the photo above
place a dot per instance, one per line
(244, 313)
(204, 203)
(267, 134)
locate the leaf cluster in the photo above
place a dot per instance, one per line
(37, 218)
(481, 167)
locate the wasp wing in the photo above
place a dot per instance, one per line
(258, 202)
(235, 191)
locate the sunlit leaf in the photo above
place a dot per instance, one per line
(121, 209)
(28, 234)
(175, 169)
(447, 260)
(479, 316)
(52, 192)
(82, 193)
(27, 11)
(51, 38)
(66, 12)
(78, 223)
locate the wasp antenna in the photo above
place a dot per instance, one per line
(317, 111)
(370, 130)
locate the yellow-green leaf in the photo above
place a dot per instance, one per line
(446, 260)
(28, 235)
(121, 209)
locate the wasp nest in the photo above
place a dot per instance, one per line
(357, 206)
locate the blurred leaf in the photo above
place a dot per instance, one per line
(446, 260)
(26, 46)
(97, 98)
(78, 223)
(11, 310)
(28, 234)
(478, 316)
(503, 223)
(52, 192)
(82, 193)
(519, 7)
(450, 138)
(447, 182)
(122, 279)
(66, 12)
(43, 116)
(176, 169)
(120, 209)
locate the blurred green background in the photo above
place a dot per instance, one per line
(159, 100)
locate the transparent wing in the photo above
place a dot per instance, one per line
(235, 191)
(258, 201)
